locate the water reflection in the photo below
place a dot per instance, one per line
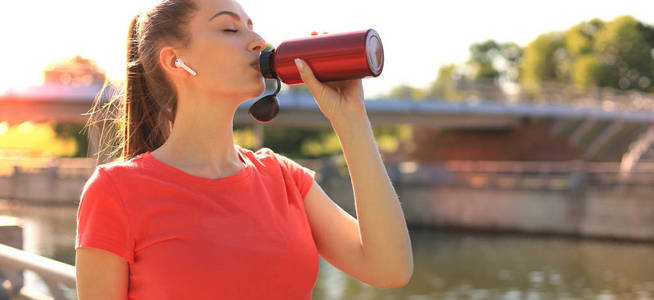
(447, 265)
(455, 265)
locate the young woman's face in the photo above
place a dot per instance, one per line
(224, 50)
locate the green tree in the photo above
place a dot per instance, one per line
(614, 54)
(482, 56)
(446, 84)
(73, 131)
(290, 140)
(579, 39)
(625, 45)
(491, 60)
(489, 63)
(618, 54)
(405, 91)
(589, 70)
(542, 59)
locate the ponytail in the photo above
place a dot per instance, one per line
(143, 131)
(146, 116)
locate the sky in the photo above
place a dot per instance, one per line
(418, 36)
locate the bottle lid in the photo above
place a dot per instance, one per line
(266, 64)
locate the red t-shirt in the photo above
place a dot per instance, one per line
(244, 236)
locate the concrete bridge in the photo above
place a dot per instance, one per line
(60, 103)
(586, 197)
(593, 120)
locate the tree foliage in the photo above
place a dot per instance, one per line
(445, 85)
(491, 60)
(616, 54)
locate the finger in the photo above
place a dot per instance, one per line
(316, 87)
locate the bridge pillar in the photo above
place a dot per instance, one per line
(636, 152)
(601, 140)
(581, 131)
(560, 125)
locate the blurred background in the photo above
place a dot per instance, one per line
(519, 136)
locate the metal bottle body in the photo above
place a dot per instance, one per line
(338, 56)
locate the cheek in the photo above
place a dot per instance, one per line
(221, 60)
(209, 51)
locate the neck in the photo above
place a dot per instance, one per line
(202, 136)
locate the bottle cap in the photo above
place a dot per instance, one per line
(266, 64)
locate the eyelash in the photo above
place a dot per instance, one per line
(231, 30)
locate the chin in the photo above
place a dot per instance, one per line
(257, 90)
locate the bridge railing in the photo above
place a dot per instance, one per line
(535, 175)
(51, 271)
(65, 167)
(14, 261)
(548, 93)
(548, 175)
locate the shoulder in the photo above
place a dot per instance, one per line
(267, 156)
(104, 176)
(124, 165)
(264, 153)
(264, 156)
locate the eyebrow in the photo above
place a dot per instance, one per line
(233, 14)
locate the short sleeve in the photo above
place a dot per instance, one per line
(102, 220)
(303, 176)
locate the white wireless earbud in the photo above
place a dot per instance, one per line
(180, 64)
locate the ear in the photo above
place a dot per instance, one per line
(167, 57)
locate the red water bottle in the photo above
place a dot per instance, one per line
(338, 56)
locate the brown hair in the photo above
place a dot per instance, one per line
(144, 119)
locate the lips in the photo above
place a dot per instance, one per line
(255, 64)
(256, 69)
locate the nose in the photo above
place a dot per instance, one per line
(258, 44)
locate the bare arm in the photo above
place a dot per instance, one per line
(384, 234)
(385, 243)
(101, 275)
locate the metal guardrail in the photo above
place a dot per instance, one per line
(48, 269)
(51, 271)
(549, 176)
(14, 261)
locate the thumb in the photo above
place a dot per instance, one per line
(316, 87)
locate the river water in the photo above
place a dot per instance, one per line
(447, 264)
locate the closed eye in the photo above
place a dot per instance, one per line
(231, 30)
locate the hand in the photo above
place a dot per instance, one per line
(338, 100)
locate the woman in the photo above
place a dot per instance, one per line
(187, 214)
